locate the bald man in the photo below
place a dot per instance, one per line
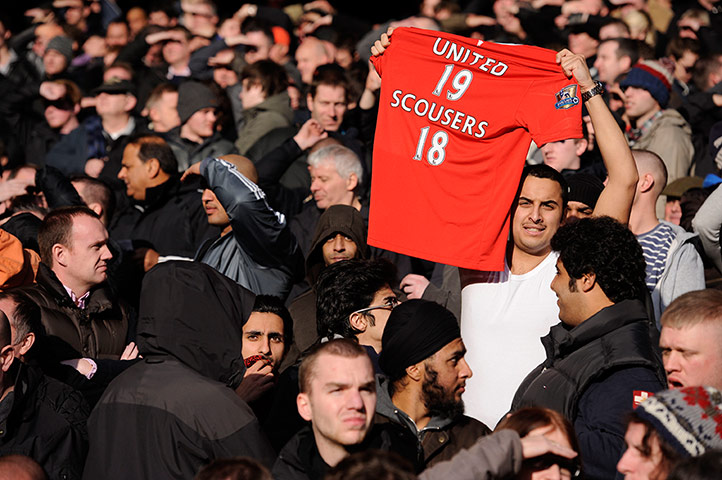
(256, 247)
(309, 55)
(673, 265)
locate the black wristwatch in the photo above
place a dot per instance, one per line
(597, 90)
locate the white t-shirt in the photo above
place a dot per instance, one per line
(502, 321)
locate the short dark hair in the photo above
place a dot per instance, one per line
(97, 191)
(627, 47)
(372, 465)
(57, 227)
(256, 24)
(332, 75)
(545, 171)
(609, 250)
(271, 76)
(153, 146)
(342, 347)
(678, 45)
(347, 286)
(26, 318)
(274, 305)
(239, 468)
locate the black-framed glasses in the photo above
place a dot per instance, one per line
(389, 304)
(569, 466)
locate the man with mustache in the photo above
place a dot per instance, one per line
(420, 403)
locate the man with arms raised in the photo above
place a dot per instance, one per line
(256, 247)
(505, 313)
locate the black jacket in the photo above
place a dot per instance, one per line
(171, 219)
(170, 414)
(300, 459)
(591, 374)
(46, 422)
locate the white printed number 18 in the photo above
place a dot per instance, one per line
(437, 153)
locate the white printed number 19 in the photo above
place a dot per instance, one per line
(436, 154)
(461, 82)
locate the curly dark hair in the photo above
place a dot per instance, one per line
(347, 286)
(608, 249)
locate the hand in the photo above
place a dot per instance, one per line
(373, 80)
(320, 5)
(10, 189)
(94, 166)
(95, 46)
(224, 57)
(83, 366)
(257, 380)
(158, 37)
(146, 257)
(194, 169)
(310, 133)
(52, 90)
(40, 15)
(575, 65)
(130, 352)
(198, 42)
(414, 285)
(229, 28)
(537, 445)
(380, 45)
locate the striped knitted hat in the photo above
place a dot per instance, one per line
(689, 419)
(653, 77)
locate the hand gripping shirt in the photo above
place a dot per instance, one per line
(455, 123)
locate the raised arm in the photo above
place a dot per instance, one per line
(616, 199)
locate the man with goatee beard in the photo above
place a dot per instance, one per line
(420, 402)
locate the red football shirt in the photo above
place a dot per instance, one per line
(455, 123)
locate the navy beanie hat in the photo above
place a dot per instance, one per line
(653, 77)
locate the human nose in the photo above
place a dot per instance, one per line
(354, 400)
(338, 245)
(535, 213)
(624, 464)
(315, 186)
(207, 195)
(265, 345)
(105, 253)
(671, 362)
(465, 371)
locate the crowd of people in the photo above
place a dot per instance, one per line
(226, 251)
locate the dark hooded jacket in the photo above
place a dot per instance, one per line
(341, 219)
(170, 414)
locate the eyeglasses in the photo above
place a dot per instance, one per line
(390, 304)
(569, 467)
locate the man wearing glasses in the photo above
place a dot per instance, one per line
(354, 300)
